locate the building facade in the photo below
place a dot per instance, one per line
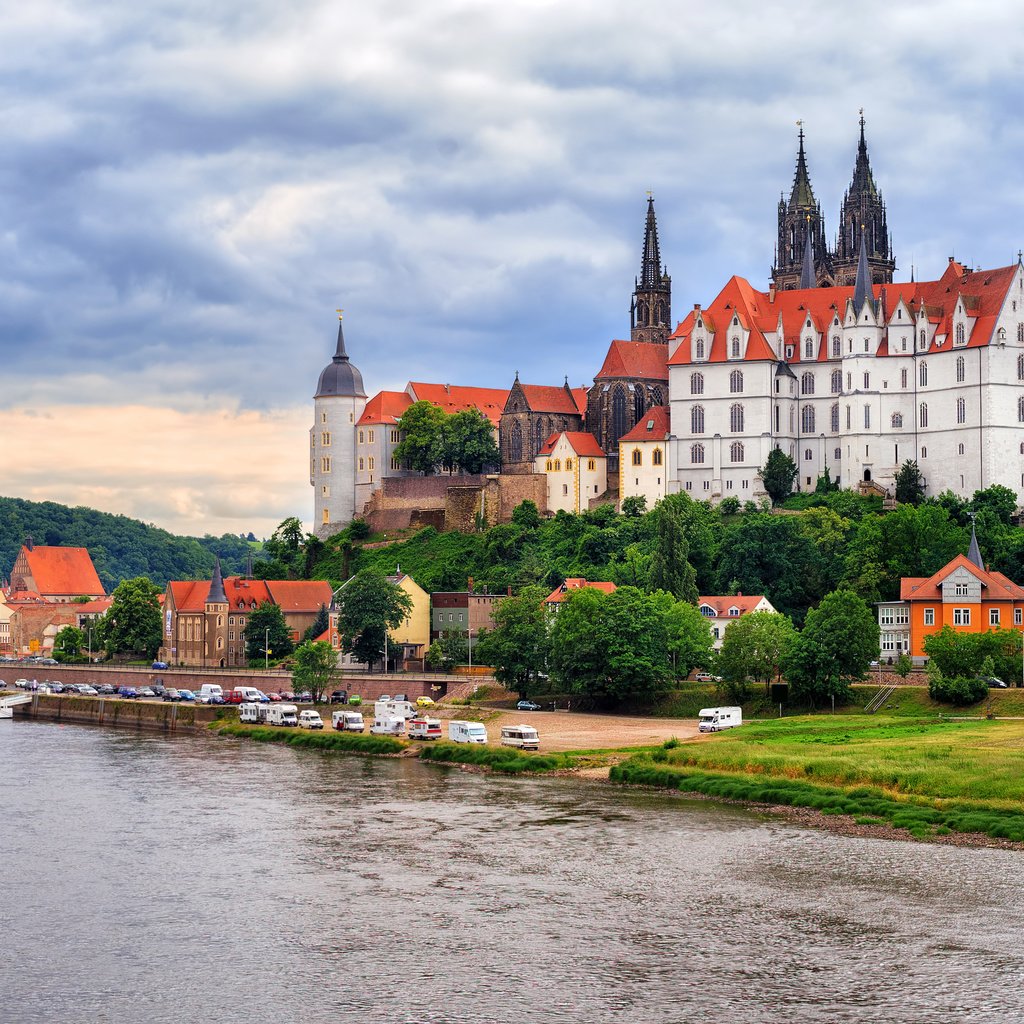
(722, 611)
(575, 469)
(643, 458)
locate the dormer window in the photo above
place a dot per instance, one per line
(959, 334)
(707, 611)
(809, 349)
(734, 611)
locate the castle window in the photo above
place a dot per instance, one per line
(736, 382)
(362, 437)
(565, 489)
(735, 348)
(849, 381)
(736, 452)
(637, 457)
(960, 370)
(960, 449)
(220, 643)
(699, 353)
(867, 381)
(618, 418)
(922, 418)
(656, 457)
(903, 377)
(807, 419)
(697, 454)
(922, 375)
(370, 464)
(369, 437)
(807, 383)
(568, 463)
(867, 417)
(808, 455)
(696, 383)
(325, 464)
(922, 341)
(362, 464)
(924, 453)
(394, 437)
(867, 344)
(959, 334)
(736, 418)
(897, 420)
(549, 465)
(325, 438)
(1020, 329)
(837, 346)
(834, 418)
(1020, 409)
(558, 465)
(847, 417)
(323, 417)
(326, 491)
(837, 454)
(396, 463)
(1020, 367)
(697, 419)
(809, 349)
(590, 465)
(837, 382)
(516, 442)
(961, 411)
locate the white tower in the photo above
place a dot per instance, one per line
(339, 402)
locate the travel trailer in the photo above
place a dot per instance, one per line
(348, 721)
(522, 736)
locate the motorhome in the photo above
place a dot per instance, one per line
(425, 729)
(522, 736)
(282, 714)
(348, 721)
(388, 725)
(467, 732)
(252, 713)
(309, 719)
(393, 709)
(716, 719)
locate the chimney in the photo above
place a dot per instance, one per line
(28, 543)
(771, 292)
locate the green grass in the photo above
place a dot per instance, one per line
(506, 760)
(348, 742)
(919, 774)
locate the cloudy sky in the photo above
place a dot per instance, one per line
(188, 190)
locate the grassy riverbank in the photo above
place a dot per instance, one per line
(926, 775)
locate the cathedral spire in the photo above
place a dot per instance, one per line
(807, 279)
(862, 290)
(650, 267)
(652, 295)
(802, 195)
(217, 595)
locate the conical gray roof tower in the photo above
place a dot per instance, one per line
(807, 279)
(339, 376)
(974, 551)
(216, 594)
(862, 290)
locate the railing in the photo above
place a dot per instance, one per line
(879, 699)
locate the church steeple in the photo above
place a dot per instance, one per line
(807, 270)
(862, 290)
(651, 309)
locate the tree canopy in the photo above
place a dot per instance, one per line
(369, 606)
(432, 439)
(778, 474)
(132, 623)
(316, 662)
(517, 645)
(267, 636)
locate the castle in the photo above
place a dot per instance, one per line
(847, 372)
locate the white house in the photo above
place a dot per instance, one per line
(576, 470)
(643, 462)
(721, 611)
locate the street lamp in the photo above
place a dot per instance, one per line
(266, 649)
(469, 645)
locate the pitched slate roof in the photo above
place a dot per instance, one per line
(557, 596)
(63, 571)
(455, 398)
(581, 443)
(653, 426)
(385, 407)
(638, 360)
(998, 586)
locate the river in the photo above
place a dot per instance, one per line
(159, 880)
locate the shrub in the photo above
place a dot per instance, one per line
(959, 690)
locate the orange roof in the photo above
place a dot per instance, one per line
(557, 596)
(581, 443)
(999, 587)
(97, 607)
(63, 571)
(722, 604)
(292, 595)
(385, 407)
(580, 396)
(552, 399)
(653, 426)
(636, 359)
(453, 398)
(300, 595)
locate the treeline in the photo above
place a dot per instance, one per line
(827, 541)
(121, 548)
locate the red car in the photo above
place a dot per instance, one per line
(274, 696)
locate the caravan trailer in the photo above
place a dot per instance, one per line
(522, 736)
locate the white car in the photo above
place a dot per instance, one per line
(88, 691)
(309, 719)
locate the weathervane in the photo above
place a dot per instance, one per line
(339, 312)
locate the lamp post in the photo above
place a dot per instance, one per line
(469, 645)
(266, 649)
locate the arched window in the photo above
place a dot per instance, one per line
(837, 382)
(960, 374)
(959, 334)
(697, 454)
(808, 455)
(808, 349)
(736, 382)
(697, 419)
(834, 418)
(837, 346)
(897, 420)
(1020, 334)
(618, 424)
(696, 383)
(1020, 409)
(960, 449)
(837, 454)
(961, 411)
(656, 457)
(807, 383)
(735, 348)
(922, 339)
(539, 436)
(568, 463)
(736, 418)
(736, 452)
(641, 312)
(699, 353)
(1020, 367)
(558, 465)
(515, 446)
(924, 453)
(922, 375)
(807, 419)
(637, 457)
(922, 418)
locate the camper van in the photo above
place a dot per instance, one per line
(425, 729)
(716, 719)
(282, 714)
(394, 709)
(522, 736)
(467, 732)
(388, 725)
(310, 719)
(254, 714)
(348, 721)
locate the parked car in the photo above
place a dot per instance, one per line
(54, 686)
(310, 719)
(160, 665)
(339, 697)
(105, 689)
(305, 697)
(995, 683)
(127, 692)
(384, 696)
(527, 705)
(706, 677)
(186, 695)
(399, 696)
(424, 702)
(145, 691)
(171, 694)
(287, 695)
(354, 700)
(274, 697)
(87, 691)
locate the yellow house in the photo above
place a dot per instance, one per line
(413, 635)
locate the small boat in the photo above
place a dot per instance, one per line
(6, 711)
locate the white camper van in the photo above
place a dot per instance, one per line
(716, 719)
(467, 732)
(388, 726)
(348, 721)
(282, 714)
(252, 713)
(402, 709)
(425, 729)
(522, 736)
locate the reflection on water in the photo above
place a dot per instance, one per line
(180, 880)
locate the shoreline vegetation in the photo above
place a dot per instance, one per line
(929, 779)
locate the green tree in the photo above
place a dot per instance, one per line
(633, 506)
(68, 643)
(516, 647)
(369, 606)
(835, 647)
(670, 567)
(132, 623)
(903, 665)
(420, 426)
(525, 515)
(610, 647)
(909, 483)
(454, 648)
(754, 648)
(998, 499)
(778, 474)
(320, 624)
(689, 639)
(316, 662)
(267, 636)
(466, 442)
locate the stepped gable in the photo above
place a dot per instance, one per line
(57, 571)
(386, 407)
(581, 442)
(653, 426)
(453, 398)
(636, 360)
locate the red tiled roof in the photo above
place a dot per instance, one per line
(551, 399)
(722, 604)
(580, 397)
(97, 607)
(999, 587)
(291, 595)
(635, 359)
(300, 595)
(653, 426)
(454, 398)
(385, 407)
(581, 443)
(557, 596)
(63, 571)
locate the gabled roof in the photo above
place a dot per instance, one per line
(385, 407)
(638, 360)
(454, 398)
(744, 602)
(63, 571)
(998, 587)
(542, 398)
(293, 596)
(653, 426)
(300, 595)
(582, 443)
(557, 596)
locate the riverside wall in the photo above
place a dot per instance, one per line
(151, 716)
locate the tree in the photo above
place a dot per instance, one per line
(754, 648)
(909, 484)
(68, 643)
(315, 664)
(997, 498)
(420, 427)
(670, 568)
(516, 647)
(369, 606)
(321, 623)
(525, 515)
(132, 623)
(836, 647)
(610, 647)
(633, 506)
(690, 643)
(903, 665)
(261, 645)
(466, 442)
(778, 474)
(454, 648)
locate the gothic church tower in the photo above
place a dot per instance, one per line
(651, 311)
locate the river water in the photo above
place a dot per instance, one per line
(188, 880)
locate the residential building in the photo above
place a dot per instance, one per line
(467, 612)
(557, 596)
(576, 470)
(409, 642)
(722, 611)
(643, 458)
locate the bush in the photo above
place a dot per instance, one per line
(499, 759)
(730, 506)
(959, 690)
